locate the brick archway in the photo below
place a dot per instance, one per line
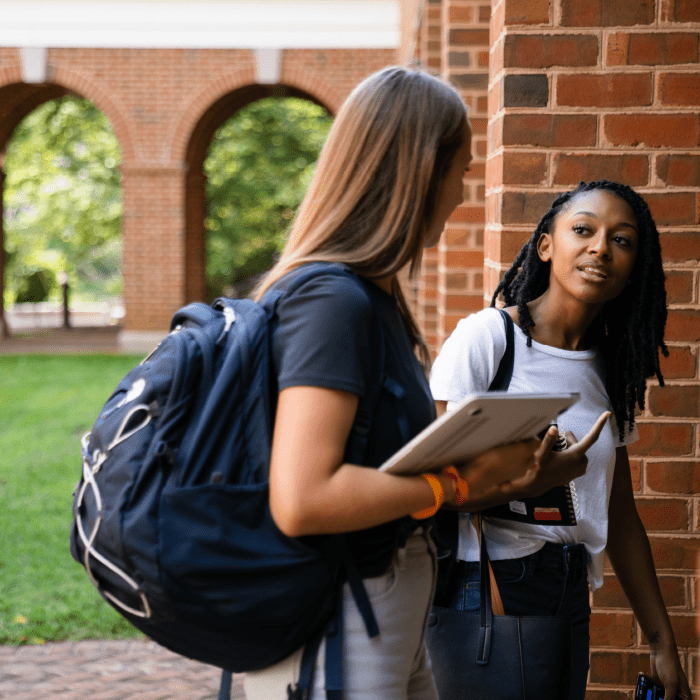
(17, 101)
(164, 105)
(235, 90)
(20, 98)
(80, 84)
(195, 180)
(314, 86)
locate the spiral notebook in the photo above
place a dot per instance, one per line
(558, 506)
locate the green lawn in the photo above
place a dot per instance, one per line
(46, 404)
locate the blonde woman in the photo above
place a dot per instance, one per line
(389, 176)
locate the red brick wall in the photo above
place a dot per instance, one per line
(158, 101)
(583, 91)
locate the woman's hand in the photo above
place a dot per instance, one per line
(557, 468)
(501, 469)
(666, 666)
(526, 469)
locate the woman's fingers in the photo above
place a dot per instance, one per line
(550, 437)
(520, 483)
(498, 467)
(586, 442)
(511, 468)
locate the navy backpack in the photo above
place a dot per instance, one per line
(171, 515)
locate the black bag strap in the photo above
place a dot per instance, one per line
(225, 686)
(504, 374)
(483, 650)
(333, 667)
(334, 653)
(302, 690)
(490, 602)
(447, 521)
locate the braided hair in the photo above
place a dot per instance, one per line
(629, 330)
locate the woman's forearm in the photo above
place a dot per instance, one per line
(354, 498)
(630, 555)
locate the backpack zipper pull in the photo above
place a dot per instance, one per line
(229, 318)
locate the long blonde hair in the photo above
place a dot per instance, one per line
(374, 193)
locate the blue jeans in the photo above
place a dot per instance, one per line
(552, 581)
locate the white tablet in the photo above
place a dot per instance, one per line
(478, 423)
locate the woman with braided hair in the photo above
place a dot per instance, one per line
(586, 294)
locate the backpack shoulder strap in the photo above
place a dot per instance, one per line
(359, 436)
(504, 374)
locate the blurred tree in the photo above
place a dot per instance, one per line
(35, 287)
(258, 168)
(63, 201)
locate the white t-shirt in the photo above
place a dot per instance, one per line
(468, 363)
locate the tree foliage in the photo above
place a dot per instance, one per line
(62, 200)
(258, 167)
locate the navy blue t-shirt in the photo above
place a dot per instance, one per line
(325, 336)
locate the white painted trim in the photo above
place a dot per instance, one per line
(213, 24)
(268, 66)
(33, 60)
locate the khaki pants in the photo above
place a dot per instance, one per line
(393, 666)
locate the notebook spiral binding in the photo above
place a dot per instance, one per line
(574, 500)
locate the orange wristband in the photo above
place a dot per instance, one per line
(439, 494)
(459, 485)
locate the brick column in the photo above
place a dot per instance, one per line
(599, 89)
(424, 291)
(429, 46)
(460, 261)
(453, 38)
(154, 253)
(195, 257)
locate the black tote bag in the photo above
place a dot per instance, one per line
(485, 656)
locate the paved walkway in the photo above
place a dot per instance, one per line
(59, 340)
(115, 670)
(97, 670)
